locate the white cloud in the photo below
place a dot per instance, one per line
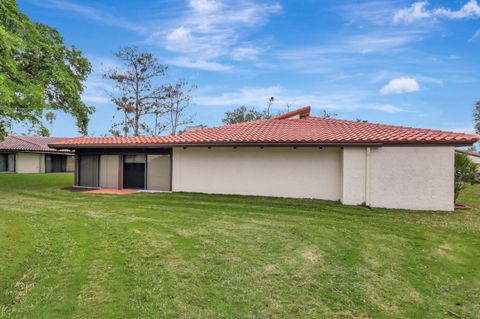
(198, 35)
(400, 85)
(97, 89)
(200, 64)
(383, 42)
(476, 35)
(416, 11)
(470, 10)
(390, 108)
(205, 5)
(419, 11)
(245, 53)
(258, 96)
(211, 29)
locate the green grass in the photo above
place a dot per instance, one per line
(65, 255)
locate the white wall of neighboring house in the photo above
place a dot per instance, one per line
(271, 171)
(30, 163)
(475, 159)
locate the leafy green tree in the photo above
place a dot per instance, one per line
(38, 73)
(242, 114)
(465, 172)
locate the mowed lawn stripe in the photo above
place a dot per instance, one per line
(201, 256)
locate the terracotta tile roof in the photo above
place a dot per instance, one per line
(298, 128)
(31, 144)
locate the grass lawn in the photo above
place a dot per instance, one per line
(65, 254)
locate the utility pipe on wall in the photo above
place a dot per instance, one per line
(367, 177)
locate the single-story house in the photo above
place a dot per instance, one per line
(31, 154)
(475, 157)
(292, 155)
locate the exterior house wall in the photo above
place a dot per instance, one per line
(30, 163)
(109, 170)
(159, 172)
(275, 171)
(353, 175)
(419, 178)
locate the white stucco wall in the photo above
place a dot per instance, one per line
(274, 171)
(353, 175)
(30, 163)
(419, 178)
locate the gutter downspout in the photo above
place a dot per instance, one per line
(367, 177)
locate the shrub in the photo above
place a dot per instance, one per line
(465, 172)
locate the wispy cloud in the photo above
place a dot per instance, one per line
(92, 13)
(211, 29)
(258, 97)
(465, 129)
(97, 89)
(476, 35)
(400, 85)
(197, 36)
(390, 108)
(420, 11)
(200, 64)
(377, 12)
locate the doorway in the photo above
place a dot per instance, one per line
(134, 171)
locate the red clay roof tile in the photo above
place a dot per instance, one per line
(31, 144)
(304, 130)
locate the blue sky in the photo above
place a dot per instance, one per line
(394, 62)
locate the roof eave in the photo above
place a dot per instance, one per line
(53, 151)
(261, 144)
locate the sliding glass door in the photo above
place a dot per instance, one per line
(55, 163)
(3, 162)
(134, 171)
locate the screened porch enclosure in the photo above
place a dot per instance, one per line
(55, 163)
(148, 169)
(7, 162)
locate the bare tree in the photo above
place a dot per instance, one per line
(50, 117)
(137, 96)
(269, 104)
(476, 117)
(328, 115)
(176, 100)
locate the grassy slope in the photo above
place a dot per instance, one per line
(66, 254)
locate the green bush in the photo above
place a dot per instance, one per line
(465, 172)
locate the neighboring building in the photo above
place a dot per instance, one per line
(475, 157)
(293, 155)
(31, 154)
